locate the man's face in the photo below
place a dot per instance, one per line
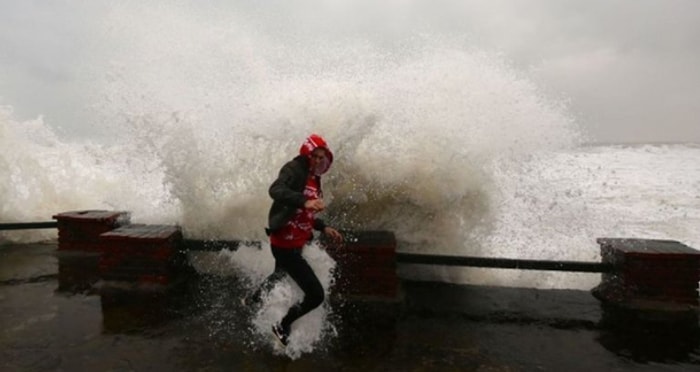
(318, 160)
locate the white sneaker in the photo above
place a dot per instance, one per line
(279, 332)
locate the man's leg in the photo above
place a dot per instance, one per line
(297, 267)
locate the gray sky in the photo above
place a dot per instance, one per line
(630, 69)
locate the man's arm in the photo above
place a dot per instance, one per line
(281, 189)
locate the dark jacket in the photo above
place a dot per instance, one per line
(287, 193)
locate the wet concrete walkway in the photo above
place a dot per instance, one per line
(52, 321)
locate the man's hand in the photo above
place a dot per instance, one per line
(315, 204)
(333, 234)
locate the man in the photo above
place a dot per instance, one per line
(297, 198)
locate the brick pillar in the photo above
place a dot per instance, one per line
(77, 271)
(366, 264)
(80, 230)
(649, 274)
(145, 254)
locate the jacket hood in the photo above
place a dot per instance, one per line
(313, 142)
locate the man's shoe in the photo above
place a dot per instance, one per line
(281, 334)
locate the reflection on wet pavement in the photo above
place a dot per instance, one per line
(58, 316)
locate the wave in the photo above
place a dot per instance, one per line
(200, 116)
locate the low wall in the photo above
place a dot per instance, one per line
(156, 254)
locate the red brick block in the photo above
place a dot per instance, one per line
(653, 270)
(80, 230)
(366, 264)
(140, 253)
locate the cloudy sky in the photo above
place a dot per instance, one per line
(630, 69)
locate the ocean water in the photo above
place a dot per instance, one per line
(554, 206)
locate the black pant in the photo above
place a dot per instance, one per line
(291, 262)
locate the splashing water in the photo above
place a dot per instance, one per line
(200, 111)
(200, 108)
(205, 113)
(255, 265)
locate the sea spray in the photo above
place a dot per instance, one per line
(252, 264)
(43, 174)
(200, 109)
